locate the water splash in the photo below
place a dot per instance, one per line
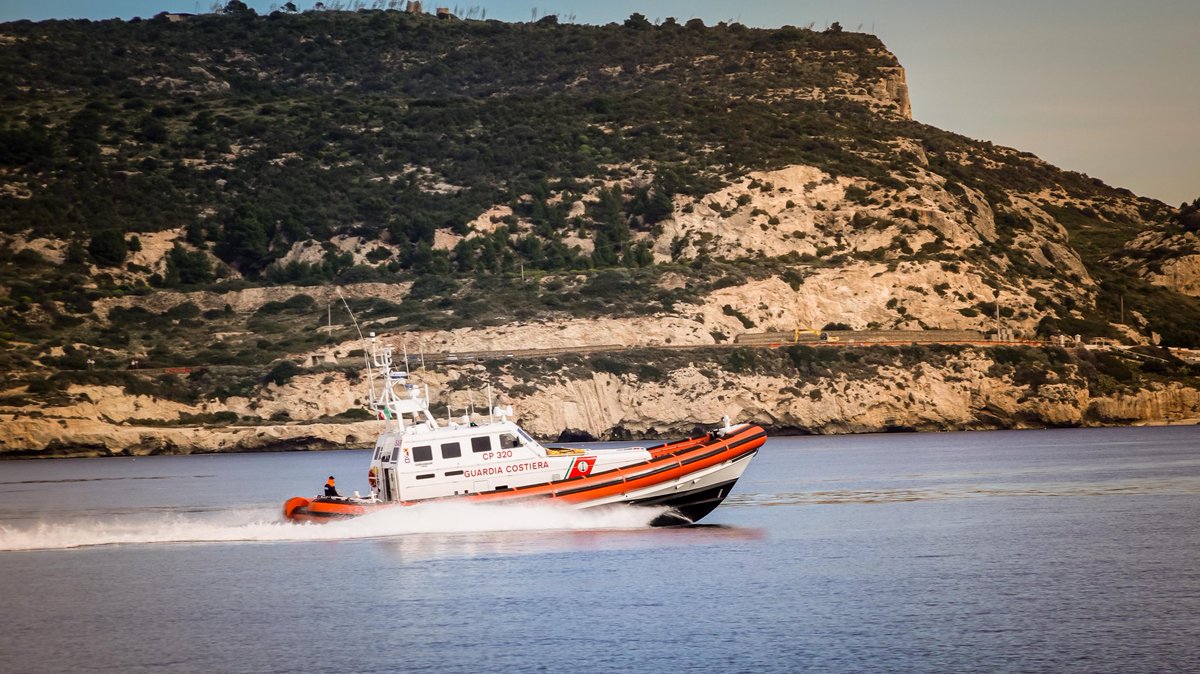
(261, 525)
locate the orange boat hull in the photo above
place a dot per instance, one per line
(322, 509)
(670, 464)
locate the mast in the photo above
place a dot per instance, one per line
(400, 403)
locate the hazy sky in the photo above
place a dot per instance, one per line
(1110, 88)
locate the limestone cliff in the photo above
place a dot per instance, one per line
(1168, 257)
(940, 390)
(957, 396)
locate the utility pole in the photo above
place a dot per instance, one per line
(998, 335)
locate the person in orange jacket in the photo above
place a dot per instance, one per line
(330, 490)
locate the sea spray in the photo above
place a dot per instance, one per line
(260, 525)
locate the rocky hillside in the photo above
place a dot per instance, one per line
(623, 394)
(1167, 256)
(207, 195)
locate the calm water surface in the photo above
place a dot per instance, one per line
(1058, 551)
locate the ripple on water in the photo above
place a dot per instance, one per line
(1158, 486)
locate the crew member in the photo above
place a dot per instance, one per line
(330, 490)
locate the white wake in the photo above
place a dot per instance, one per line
(268, 526)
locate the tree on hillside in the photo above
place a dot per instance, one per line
(244, 239)
(238, 7)
(151, 130)
(637, 20)
(652, 204)
(187, 267)
(1189, 216)
(20, 146)
(75, 255)
(83, 133)
(108, 248)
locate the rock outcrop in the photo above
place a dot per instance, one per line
(959, 392)
(43, 437)
(962, 397)
(250, 300)
(1166, 257)
(893, 88)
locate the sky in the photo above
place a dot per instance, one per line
(1110, 88)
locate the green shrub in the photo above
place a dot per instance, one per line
(108, 248)
(1116, 367)
(610, 365)
(744, 360)
(281, 373)
(728, 310)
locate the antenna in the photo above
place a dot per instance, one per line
(355, 322)
(366, 356)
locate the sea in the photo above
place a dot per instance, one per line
(1073, 550)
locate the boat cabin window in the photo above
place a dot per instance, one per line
(422, 454)
(384, 449)
(508, 441)
(481, 444)
(451, 450)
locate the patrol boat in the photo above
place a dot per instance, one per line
(419, 458)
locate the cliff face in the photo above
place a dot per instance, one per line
(29, 438)
(1167, 257)
(958, 396)
(959, 392)
(894, 88)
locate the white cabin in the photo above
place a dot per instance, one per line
(418, 457)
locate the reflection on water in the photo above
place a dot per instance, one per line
(67, 480)
(1161, 486)
(1127, 465)
(417, 547)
